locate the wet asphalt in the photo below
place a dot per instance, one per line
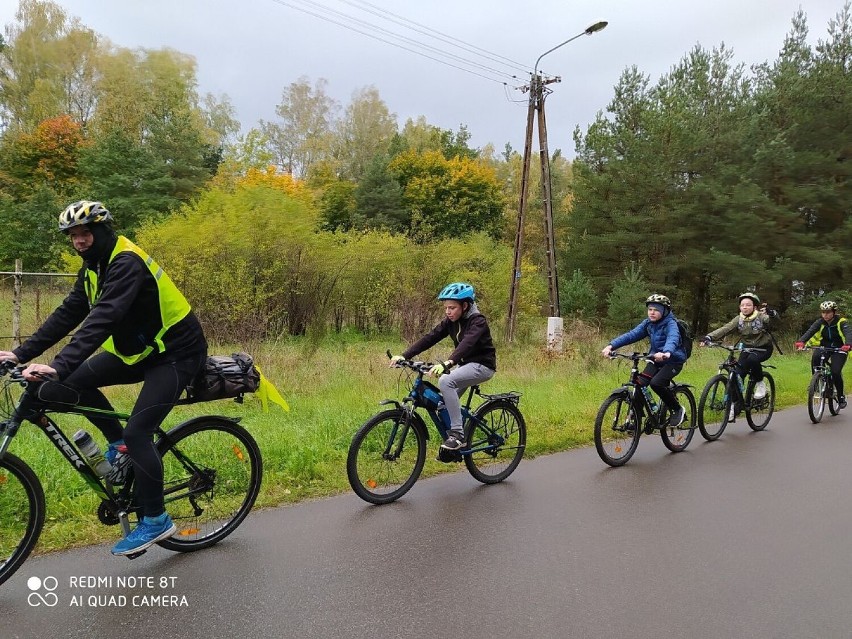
(748, 536)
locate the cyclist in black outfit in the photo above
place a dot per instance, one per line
(128, 306)
(832, 331)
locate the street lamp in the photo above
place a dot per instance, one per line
(536, 105)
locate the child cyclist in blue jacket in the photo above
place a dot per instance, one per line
(474, 353)
(668, 354)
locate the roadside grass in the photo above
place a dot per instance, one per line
(335, 387)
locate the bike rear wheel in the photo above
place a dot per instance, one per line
(386, 456)
(759, 411)
(497, 436)
(677, 438)
(22, 511)
(617, 429)
(212, 471)
(714, 408)
(816, 397)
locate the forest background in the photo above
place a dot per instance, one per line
(332, 218)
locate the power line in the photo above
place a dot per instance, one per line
(428, 31)
(404, 38)
(400, 46)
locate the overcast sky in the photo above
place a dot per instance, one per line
(252, 49)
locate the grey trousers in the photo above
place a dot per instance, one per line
(453, 384)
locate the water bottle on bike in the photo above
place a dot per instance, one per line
(92, 453)
(649, 397)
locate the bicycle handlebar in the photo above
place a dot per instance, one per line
(418, 367)
(827, 349)
(734, 349)
(633, 357)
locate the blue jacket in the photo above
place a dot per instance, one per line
(664, 335)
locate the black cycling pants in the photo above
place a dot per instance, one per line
(749, 363)
(659, 376)
(837, 362)
(163, 380)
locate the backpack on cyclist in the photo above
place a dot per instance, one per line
(686, 336)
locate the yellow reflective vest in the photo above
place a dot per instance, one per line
(173, 305)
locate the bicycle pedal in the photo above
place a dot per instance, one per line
(448, 456)
(136, 554)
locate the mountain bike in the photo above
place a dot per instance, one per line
(211, 465)
(728, 389)
(821, 388)
(388, 452)
(629, 411)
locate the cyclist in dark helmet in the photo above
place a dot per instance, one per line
(832, 331)
(474, 355)
(751, 327)
(126, 304)
(669, 356)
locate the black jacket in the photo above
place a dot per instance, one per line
(128, 309)
(471, 337)
(833, 334)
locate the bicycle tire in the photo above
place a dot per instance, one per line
(759, 411)
(22, 512)
(816, 397)
(500, 427)
(212, 472)
(714, 407)
(833, 408)
(677, 438)
(375, 477)
(617, 435)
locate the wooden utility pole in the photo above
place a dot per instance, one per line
(536, 107)
(519, 233)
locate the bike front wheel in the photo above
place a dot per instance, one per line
(386, 456)
(22, 511)
(816, 397)
(212, 471)
(497, 436)
(759, 411)
(617, 430)
(714, 406)
(677, 438)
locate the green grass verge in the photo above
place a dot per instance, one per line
(332, 389)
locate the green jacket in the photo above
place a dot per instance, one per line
(752, 330)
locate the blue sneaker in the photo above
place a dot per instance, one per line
(149, 531)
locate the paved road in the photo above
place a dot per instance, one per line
(744, 537)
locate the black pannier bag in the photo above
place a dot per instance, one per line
(224, 377)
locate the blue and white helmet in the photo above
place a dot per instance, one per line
(458, 291)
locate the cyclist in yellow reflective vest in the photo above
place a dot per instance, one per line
(125, 303)
(832, 331)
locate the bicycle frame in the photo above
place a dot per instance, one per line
(637, 396)
(736, 383)
(824, 366)
(119, 501)
(409, 407)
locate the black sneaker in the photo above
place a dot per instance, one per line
(454, 442)
(677, 417)
(841, 401)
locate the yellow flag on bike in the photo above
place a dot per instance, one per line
(267, 392)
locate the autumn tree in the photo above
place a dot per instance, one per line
(302, 135)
